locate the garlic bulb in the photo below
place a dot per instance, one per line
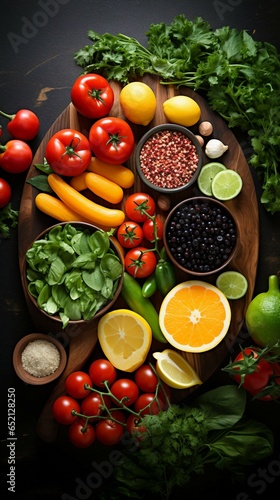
(215, 148)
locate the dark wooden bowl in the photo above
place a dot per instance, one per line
(26, 376)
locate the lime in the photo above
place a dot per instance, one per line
(207, 174)
(233, 284)
(175, 370)
(226, 185)
(263, 315)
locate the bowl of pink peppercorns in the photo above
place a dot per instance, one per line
(168, 158)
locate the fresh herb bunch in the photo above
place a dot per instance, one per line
(183, 440)
(8, 220)
(239, 75)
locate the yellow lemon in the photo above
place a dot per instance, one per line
(125, 338)
(175, 370)
(182, 110)
(138, 103)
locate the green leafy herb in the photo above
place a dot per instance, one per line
(239, 75)
(72, 272)
(8, 220)
(41, 181)
(184, 440)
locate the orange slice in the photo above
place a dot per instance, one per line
(125, 338)
(194, 316)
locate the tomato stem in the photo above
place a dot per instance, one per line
(6, 115)
(115, 139)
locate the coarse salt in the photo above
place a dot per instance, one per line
(40, 358)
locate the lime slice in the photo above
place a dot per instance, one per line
(206, 176)
(233, 284)
(226, 185)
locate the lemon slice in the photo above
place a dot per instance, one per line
(174, 370)
(206, 176)
(125, 338)
(226, 185)
(233, 284)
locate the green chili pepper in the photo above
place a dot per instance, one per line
(165, 276)
(149, 286)
(132, 294)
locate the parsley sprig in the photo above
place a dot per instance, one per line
(239, 75)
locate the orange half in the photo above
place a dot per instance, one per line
(195, 316)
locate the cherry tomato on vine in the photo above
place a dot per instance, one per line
(111, 140)
(140, 262)
(259, 376)
(101, 370)
(137, 204)
(92, 95)
(92, 405)
(75, 384)
(149, 230)
(62, 410)
(80, 435)
(130, 234)
(125, 390)
(146, 378)
(109, 432)
(15, 156)
(23, 125)
(5, 193)
(142, 402)
(68, 152)
(134, 425)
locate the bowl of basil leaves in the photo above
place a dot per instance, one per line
(73, 272)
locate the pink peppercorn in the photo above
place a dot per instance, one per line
(168, 159)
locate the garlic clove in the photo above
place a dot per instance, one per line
(215, 148)
(205, 128)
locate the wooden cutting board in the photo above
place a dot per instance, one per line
(82, 340)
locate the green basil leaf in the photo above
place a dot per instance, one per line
(224, 406)
(40, 182)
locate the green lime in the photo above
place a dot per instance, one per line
(233, 284)
(263, 315)
(226, 185)
(206, 176)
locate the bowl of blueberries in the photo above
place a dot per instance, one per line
(200, 236)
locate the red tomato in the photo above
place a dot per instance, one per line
(130, 234)
(111, 140)
(140, 262)
(62, 410)
(149, 229)
(80, 435)
(146, 378)
(5, 193)
(68, 152)
(260, 377)
(23, 125)
(109, 432)
(147, 405)
(92, 95)
(137, 204)
(125, 390)
(101, 370)
(134, 425)
(15, 157)
(75, 384)
(92, 405)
